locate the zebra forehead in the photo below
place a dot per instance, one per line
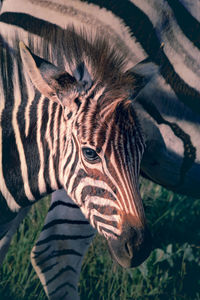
(102, 125)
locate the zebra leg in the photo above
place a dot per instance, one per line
(8, 230)
(58, 253)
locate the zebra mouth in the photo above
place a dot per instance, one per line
(132, 248)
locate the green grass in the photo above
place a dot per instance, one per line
(171, 272)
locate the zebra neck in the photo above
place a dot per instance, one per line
(31, 157)
(31, 138)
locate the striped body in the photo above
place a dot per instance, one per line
(167, 106)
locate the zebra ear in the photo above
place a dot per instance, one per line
(49, 79)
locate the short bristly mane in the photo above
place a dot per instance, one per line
(70, 48)
(106, 64)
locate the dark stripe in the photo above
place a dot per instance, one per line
(74, 164)
(52, 121)
(64, 295)
(5, 232)
(70, 156)
(10, 155)
(64, 221)
(81, 174)
(91, 191)
(60, 272)
(101, 138)
(27, 22)
(105, 221)
(189, 149)
(29, 145)
(45, 145)
(65, 284)
(59, 253)
(38, 253)
(85, 109)
(94, 124)
(78, 102)
(60, 202)
(62, 237)
(105, 210)
(69, 115)
(57, 154)
(47, 269)
(6, 215)
(188, 24)
(108, 231)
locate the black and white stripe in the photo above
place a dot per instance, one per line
(165, 33)
(56, 135)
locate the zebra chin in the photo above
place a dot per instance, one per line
(132, 247)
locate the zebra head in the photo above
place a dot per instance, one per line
(102, 149)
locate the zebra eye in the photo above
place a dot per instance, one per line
(90, 155)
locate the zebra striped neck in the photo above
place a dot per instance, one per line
(32, 133)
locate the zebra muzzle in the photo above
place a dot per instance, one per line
(132, 247)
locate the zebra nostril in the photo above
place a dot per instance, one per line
(128, 250)
(132, 247)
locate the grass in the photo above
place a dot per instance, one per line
(171, 272)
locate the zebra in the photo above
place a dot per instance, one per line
(171, 128)
(67, 120)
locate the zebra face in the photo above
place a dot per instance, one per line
(101, 155)
(105, 178)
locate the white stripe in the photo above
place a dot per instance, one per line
(31, 96)
(111, 218)
(130, 205)
(67, 170)
(109, 227)
(55, 130)
(3, 188)
(62, 136)
(128, 210)
(48, 137)
(98, 94)
(41, 181)
(90, 182)
(108, 235)
(106, 171)
(100, 201)
(19, 144)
